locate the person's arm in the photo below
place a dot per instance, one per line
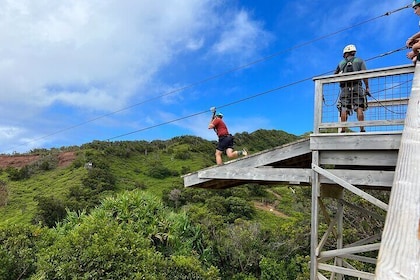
(366, 81)
(337, 70)
(412, 40)
(211, 124)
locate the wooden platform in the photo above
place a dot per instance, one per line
(334, 164)
(362, 159)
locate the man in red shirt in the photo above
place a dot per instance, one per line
(225, 143)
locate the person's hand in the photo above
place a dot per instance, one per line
(410, 55)
(367, 91)
(409, 42)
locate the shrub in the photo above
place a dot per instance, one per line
(16, 174)
(99, 180)
(50, 210)
(238, 208)
(182, 267)
(18, 249)
(158, 171)
(185, 170)
(46, 163)
(99, 249)
(124, 239)
(182, 155)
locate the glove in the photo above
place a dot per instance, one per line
(213, 109)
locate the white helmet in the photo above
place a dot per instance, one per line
(349, 48)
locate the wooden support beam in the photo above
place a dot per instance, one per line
(351, 257)
(346, 271)
(360, 258)
(350, 187)
(321, 277)
(371, 73)
(324, 238)
(293, 175)
(359, 158)
(355, 141)
(350, 250)
(399, 122)
(366, 240)
(290, 176)
(363, 211)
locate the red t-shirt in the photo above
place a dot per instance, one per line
(220, 127)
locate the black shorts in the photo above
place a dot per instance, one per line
(352, 98)
(225, 142)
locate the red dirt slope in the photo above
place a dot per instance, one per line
(64, 159)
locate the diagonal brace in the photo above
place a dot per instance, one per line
(350, 187)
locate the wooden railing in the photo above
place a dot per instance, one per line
(390, 90)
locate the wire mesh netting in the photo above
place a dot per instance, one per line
(388, 102)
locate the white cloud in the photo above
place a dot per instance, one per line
(9, 132)
(195, 44)
(93, 57)
(96, 46)
(15, 139)
(241, 36)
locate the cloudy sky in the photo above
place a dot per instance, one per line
(74, 71)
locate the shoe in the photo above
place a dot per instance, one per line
(362, 130)
(244, 152)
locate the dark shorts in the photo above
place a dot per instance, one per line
(225, 142)
(352, 98)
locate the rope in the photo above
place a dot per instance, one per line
(381, 104)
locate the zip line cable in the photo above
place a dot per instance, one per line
(203, 112)
(228, 104)
(242, 99)
(191, 85)
(387, 53)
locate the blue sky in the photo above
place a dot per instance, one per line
(74, 71)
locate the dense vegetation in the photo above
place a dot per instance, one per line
(120, 211)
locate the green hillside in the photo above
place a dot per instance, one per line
(152, 166)
(120, 211)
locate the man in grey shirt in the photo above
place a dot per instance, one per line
(352, 94)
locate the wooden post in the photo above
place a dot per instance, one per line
(314, 219)
(340, 212)
(399, 254)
